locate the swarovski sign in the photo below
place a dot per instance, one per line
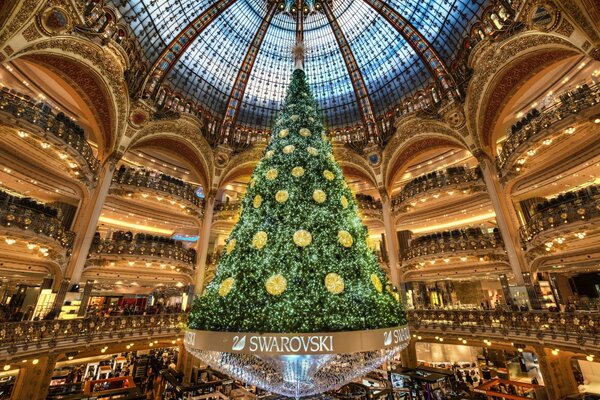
(297, 343)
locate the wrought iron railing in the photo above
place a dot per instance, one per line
(159, 182)
(369, 208)
(536, 123)
(453, 241)
(226, 211)
(435, 181)
(568, 212)
(15, 336)
(150, 247)
(23, 107)
(37, 222)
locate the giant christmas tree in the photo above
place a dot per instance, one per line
(297, 262)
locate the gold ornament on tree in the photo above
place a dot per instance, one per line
(257, 201)
(225, 287)
(281, 196)
(295, 118)
(319, 196)
(334, 283)
(269, 154)
(376, 283)
(231, 246)
(302, 238)
(259, 240)
(276, 284)
(328, 175)
(345, 238)
(289, 149)
(283, 133)
(344, 201)
(312, 151)
(271, 174)
(297, 172)
(304, 132)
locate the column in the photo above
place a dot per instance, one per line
(391, 242)
(557, 372)
(505, 217)
(203, 242)
(34, 380)
(85, 297)
(61, 293)
(86, 221)
(408, 356)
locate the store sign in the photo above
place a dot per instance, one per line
(297, 343)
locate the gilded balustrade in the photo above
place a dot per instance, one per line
(159, 248)
(452, 242)
(22, 107)
(226, 211)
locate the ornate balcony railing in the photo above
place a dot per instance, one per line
(27, 219)
(536, 123)
(157, 247)
(433, 182)
(453, 241)
(575, 328)
(38, 336)
(60, 127)
(562, 214)
(226, 211)
(369, 208)
(159, 182)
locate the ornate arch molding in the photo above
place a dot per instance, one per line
(347, 158)
(241, 164)
(97, 75)
(180, 139)
(501, 70)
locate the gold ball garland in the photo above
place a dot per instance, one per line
(302, 238)
(376, 283)
(283, 133)
(312, 151)
(344, 201)
(231, 246)
(304, 132)
(297, 172)
(281, 196)
(271, 174)
(289, 149)
(226, 286)
(259, 240)
(257, 201)
(334, 283)
(276, 285)
(345, 238)
(319, 196)
(328, 175)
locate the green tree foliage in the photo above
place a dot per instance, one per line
(273, 278)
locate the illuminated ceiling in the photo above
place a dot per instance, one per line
(391, 68)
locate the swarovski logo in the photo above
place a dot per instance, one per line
(190, 337)
(284, 344)
(387, 338)
(394, 336)
(239, 343)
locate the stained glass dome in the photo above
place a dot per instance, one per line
(392, 69)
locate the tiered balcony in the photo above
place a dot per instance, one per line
(561, 221)
(226, 211)
(162, 190)
(55, 134)
(540, 129)
(437, 187)
(369, 208)
(19, 339)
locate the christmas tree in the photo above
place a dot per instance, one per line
(297, 260)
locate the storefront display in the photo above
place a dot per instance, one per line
(7, 383)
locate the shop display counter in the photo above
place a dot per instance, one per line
(210, 396)
(103, 372)
(505, 389)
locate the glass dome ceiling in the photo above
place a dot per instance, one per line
(390, 67)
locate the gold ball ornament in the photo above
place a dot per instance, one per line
(344, 201)
(269, 154)
(319, 196)
(331, 157)
(226, 286)
(259, 240)
(231, 246)
(297, 172)
(289, 149)
(312, 151)
(257, 201)
(283, 133)
(376, 283)
(345, 238)
(271, 174)
(276, 285)
(304, 132)
(295, 118)
(334, 283)
(302, 238)
(282, 196)
(311, 119)
(328, 175)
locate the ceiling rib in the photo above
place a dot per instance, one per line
(420, 45)
(358, 83)
(241, 81)
(169, 56)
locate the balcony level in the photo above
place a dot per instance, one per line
(51, 135)
(437, 187)
(158, 190)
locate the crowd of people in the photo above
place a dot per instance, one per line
(7, 200)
